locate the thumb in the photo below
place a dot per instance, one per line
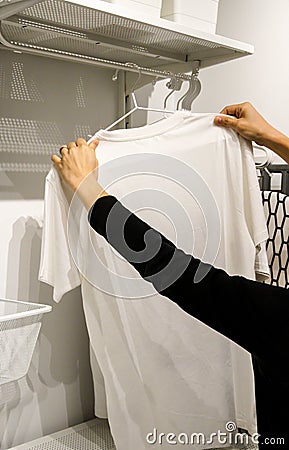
(93, 144)
(228, 122)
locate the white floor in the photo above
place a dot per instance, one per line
(92, 435)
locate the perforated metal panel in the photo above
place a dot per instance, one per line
(63, 26)
(99, 22)
(24, 136)
(49, 39)
(92, 435)
(41, 111)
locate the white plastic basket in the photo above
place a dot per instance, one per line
(20, 324)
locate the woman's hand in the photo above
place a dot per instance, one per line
(78, 160)
(252, 126)
(78, 169)
(246, 121)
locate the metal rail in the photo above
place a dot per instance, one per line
(75, 57)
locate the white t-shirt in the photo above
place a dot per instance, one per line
(162, 369)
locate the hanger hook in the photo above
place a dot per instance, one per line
(192, 92)
(171, 84)
(185, 94)
(155, 80)
(139, 75)
(115, 75)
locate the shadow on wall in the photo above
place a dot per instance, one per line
(59, 379)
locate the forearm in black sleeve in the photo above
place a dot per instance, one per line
(243, 310)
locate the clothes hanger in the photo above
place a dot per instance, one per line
(136, 106)
(192, 93)
(264, 164)
(175, 84)
(269, 156)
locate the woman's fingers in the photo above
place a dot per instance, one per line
(71, 145)
(228, 122)
(77, 161)
(56, 159)
(61, 148)
(81, 141)
(94, 144)
(230, 110)
(64, 151)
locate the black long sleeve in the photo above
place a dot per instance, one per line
(225, 303)
(252, 314)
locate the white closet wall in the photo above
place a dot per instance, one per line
(262, 78)
(44, 103)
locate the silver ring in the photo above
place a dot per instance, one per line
(63, 146)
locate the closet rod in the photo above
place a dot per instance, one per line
(70, 56)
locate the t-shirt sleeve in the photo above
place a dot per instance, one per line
(254, 211)
(56, 264)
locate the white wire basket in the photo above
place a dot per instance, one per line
(20, 324)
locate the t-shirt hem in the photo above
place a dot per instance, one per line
(261, 237)
(101, 414)
(46, 279)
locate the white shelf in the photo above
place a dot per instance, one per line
(88, 29)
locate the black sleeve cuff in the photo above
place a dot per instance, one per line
(98, 213)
